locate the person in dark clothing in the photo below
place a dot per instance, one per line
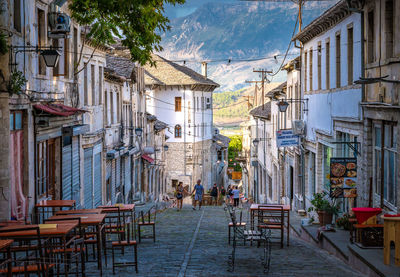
(214, 195)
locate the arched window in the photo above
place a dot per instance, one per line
(178, 131)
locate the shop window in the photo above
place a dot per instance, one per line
(178, 104)
(178, 131)
(371, 37)
(15, 120)
(385, 166)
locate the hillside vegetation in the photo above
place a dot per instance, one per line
(230, 106)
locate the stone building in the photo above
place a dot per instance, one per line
(380, 104)
(182, 98)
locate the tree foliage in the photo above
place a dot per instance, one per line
(135, 22)
(235, 146)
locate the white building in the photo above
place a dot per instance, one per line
(182, 98)
(331, 61)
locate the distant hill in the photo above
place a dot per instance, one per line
(232, 107)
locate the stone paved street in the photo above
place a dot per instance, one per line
(194, 243)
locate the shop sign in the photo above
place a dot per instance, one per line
(286, 138)
(343, 177)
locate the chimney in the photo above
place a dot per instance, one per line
(204, 69)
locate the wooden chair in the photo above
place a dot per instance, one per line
(115, 226)
(38, 258)
(271, 217)
(74, 247)
(122, 244)
(145, 219)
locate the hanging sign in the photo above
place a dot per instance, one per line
(286, 138)
(343, 177)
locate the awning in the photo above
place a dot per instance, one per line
(57, 109)
(147, 158)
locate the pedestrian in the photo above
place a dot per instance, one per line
(229, 195)
(236, 195)
(199, 189)
(179, 195)
(222, 192)
(214, 195)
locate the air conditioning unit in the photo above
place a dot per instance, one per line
(60, 24)
(299, 127)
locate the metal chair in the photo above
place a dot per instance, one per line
(122, 244)
(148, 219)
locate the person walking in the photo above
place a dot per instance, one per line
(179, 195)
(223, 192)
(199, 189)
(228, 195)
(236, 195)
(214, 195)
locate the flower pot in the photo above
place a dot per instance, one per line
(324, 218)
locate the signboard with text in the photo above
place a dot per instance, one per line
(286, 138)
(343, 177)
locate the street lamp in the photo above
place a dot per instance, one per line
(138, 132)
(50, 57)
(255, 142)
(282, 106)
(166, 148)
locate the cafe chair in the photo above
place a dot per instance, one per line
(114, 227)
(74, 248)
(30, 256)
(145, 220)
(122, 244)
(271, 217)
(239, 225)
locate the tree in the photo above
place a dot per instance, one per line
(135, 22)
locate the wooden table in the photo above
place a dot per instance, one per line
(286, 211)
(60, 231)
(5, 244)
(81, 211)
(391, 232)
(87, 220)
(45, 204)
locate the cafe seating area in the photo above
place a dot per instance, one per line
(64, 240)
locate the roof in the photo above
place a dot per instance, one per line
(168, 73)
(150, 117)
(279, 90)
(221, 138)
(120, 66)
(262, 111)
(293, 64)
(57, 109)
(328, 19)
(159, 125)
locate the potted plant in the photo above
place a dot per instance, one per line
(344, 221)
(324, 208)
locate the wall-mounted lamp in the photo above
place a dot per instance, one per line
(138, 132)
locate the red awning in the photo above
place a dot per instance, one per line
(57, 109)
(147, 158)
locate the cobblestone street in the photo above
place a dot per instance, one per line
(194, 243)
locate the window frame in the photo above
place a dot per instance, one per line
(178, 131)
(178, 104)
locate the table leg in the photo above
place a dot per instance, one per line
(65, 256)
(252, 219)
(288, 227)
(99, 261)
(386, 244)
(396, 243)
(9, 265)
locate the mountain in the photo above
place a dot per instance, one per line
(237, 31)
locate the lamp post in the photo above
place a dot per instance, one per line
(50, 54)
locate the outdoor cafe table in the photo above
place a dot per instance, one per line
(60, 231)
(81, 211)
(286, 211)
(5, 244)
(51, 204)
(87, 220)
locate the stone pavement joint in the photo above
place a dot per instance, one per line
(189, 251)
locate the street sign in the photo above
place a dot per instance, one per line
(286, 138)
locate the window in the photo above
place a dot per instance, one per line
(311, 174)
(178, 104)
(338, 60)
(17, 15)
(41, 31)
(45, 161)
(66, 58)
(85, 85)
(311, 69)
(202, 103)
(108, 189)
(178, 131)
(389, 26)
(328, 65)
(371, 37)
(106, 108)
(326, 166)
(350, 56)
(112, 115)
(349, 148)
(93, 82)
(100, 85)
(118, 107)
(208, 103)
(385, 157)
(189, 112)
(305, 71)
(319, 53)
(15, 120)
